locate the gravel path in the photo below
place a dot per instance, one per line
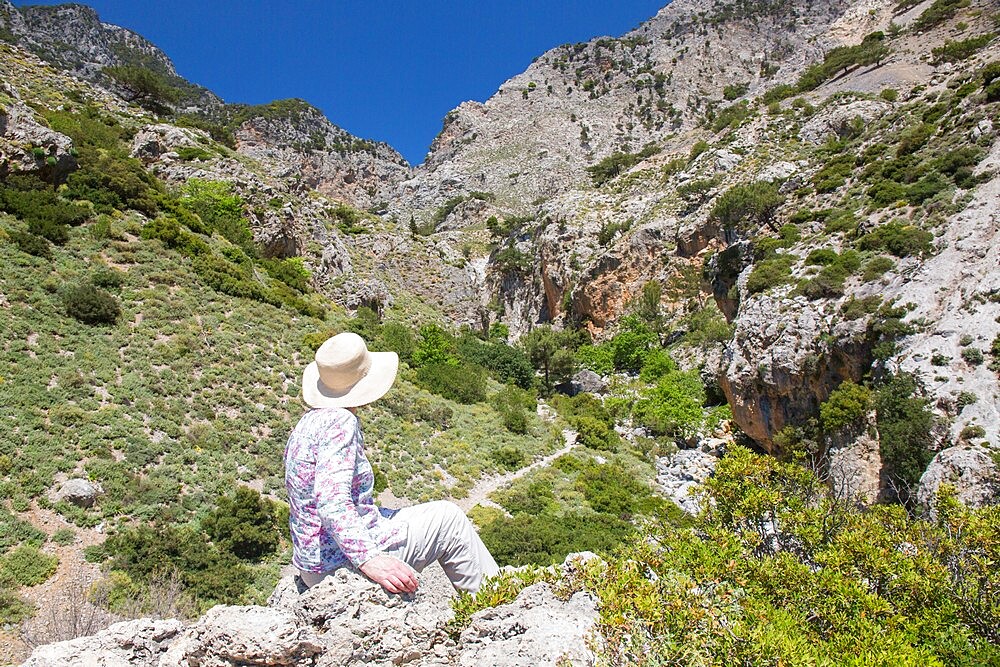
(478, 495)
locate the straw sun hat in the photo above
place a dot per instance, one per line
(346, 375)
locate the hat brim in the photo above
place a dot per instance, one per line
(370, 388)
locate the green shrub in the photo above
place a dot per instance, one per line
(904, 423)
(770, 273)
(64, 536)
(656, 364)
(697, 149)
(398, 338)
(822, 257)
(512, 404)
(459, 383)
(595, 433)
(616, 163)
(31, 244)
(834, 173)
(508, 456)
(674, 406)
(972, 432)
(291, 271)
(973, 356)
(939, 12)
(889, 94)
(112, 182)
(207, 573)
(28, 566)
(244, 524)
(107, 277)
(544, 539)
(505, 363)
(189, 153)
(14, 609)
(91, 304)
(952, 52)
(900, 239)
(731, 117)
(876, 267)
(914, 139)
(847, 405)
(221, 210)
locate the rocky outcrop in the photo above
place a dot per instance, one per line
(579, 103)
(26, 145)
(140, 643)
(854, 462)
(537, 629)
(679, 476)
(348, 620)
(971, 470)
(785, 358)
(294, 140)
(80, 492)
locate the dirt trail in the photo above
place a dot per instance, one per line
(484, 487)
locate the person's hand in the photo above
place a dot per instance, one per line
(392, 574)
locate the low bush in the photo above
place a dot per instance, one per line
(898, 238)
(952, 52)
(31, 244)
(770, 273)
(847, 405)
(91, 304)
(461, 383)
(28, 566)
(245, 524)
(616, 163)
(544, 539)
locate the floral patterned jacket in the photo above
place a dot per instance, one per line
(332, 513)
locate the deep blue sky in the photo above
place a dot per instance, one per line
(383, 69)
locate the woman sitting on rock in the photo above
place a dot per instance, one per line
(333, 517)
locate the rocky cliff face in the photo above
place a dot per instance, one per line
(579, 103)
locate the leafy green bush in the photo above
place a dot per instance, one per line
(513, 405)
(509, 457)
(973, 356)
(28, 566)
(674, 406)
(112, 181)
(616, 163)
(914, 139)
(544, 539)
(847, 405)
(221, 210)
(595, 433)
(457, 382)
(91, 304)
(31, 244)
(731, 117)
(899, 238)
(244, 524)
(876, 267)
(770, 273)
(939, 12)
(207, 573)
(504, 363)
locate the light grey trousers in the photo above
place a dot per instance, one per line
(438, 531)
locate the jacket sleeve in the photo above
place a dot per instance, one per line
(336, 466)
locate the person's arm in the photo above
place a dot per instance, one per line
(336, 461)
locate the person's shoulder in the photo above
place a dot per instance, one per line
(329, 417)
